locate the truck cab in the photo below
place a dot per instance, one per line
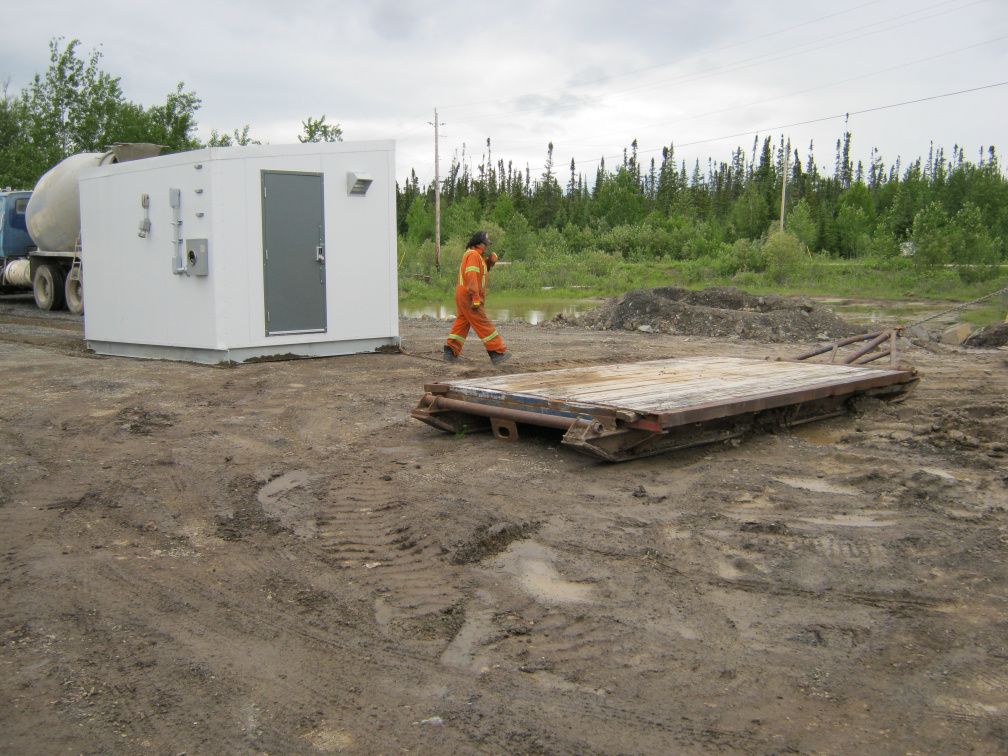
(14, 239)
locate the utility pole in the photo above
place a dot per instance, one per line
(783, 190)
(437, 197)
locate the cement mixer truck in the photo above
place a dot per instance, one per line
(40, 242)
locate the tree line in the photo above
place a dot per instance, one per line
(75, 106)
(945, 209)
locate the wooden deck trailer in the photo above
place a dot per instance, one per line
(624, 411)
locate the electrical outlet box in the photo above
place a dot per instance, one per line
(197, 257)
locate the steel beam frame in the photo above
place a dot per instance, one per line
(616, 435)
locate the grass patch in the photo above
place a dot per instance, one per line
(547, 277)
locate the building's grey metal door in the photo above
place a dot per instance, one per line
(293, 252)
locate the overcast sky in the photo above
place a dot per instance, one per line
(590, 76)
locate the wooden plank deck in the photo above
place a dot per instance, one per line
(624, 411)
(665, 387)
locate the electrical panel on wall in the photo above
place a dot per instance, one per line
(197, 257)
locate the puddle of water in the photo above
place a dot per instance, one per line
(677, 534)
(850, 521)
(672, 627)
(532, 565)
(329, 740)
(462, 652)
(819, 436)
(278, 486)
(819, 486)
(943, 474)
(727, 571)
(531, 311)
(383, 613)
(296, 511)
(555, 682)
(879, 312)
(414, 451)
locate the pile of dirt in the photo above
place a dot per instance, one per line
(717, 312)
(991, 337)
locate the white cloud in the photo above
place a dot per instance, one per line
(590, 76)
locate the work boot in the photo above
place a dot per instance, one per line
(498, 357)
(449, 355)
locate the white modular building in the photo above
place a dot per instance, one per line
(232, 253)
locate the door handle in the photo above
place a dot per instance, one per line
(320, 254)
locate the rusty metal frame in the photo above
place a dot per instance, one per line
(861, 356)
(615, 434)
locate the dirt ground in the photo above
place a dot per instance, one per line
(274, 558)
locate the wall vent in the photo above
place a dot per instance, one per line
(358, 183)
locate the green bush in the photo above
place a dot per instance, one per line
(461, 218)
(852, 229)
(748, 254)
(598, 263)
(883, 245)
(958, 252)
(801, 223)
(420, 220)
(550, 245)
(976, 253)
(503, 211)
(637, 242)
(705, 242)
(747, 280)
(519, 238)
(931, 241)
(787, 259)
(750, 214)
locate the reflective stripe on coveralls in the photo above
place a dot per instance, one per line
(470, 292)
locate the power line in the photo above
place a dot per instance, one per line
(680, 60)
(391, 132)
(845, 115)
(813, 120)
(887, 25)
(814, 45)
(792, 94)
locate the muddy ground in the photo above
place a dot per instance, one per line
(274, 558)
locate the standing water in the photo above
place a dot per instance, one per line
(531, 311)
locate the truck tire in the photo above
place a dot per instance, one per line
(74, 291)
(48, 287)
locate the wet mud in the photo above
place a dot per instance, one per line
(274, 558)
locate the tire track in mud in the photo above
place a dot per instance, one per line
(212, 617)
(560, 655)
(569, 641)
(360, 526)
(224, 635)
(873, 599)
(575, 730)
(838, 547)
(872, 555)
(191, 623)
(137, 695)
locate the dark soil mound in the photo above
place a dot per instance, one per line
(990, 337)
(717, 312)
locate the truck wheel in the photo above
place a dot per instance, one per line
(74, 291)
(48, 287)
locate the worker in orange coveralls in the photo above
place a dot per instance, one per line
(470, 301)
